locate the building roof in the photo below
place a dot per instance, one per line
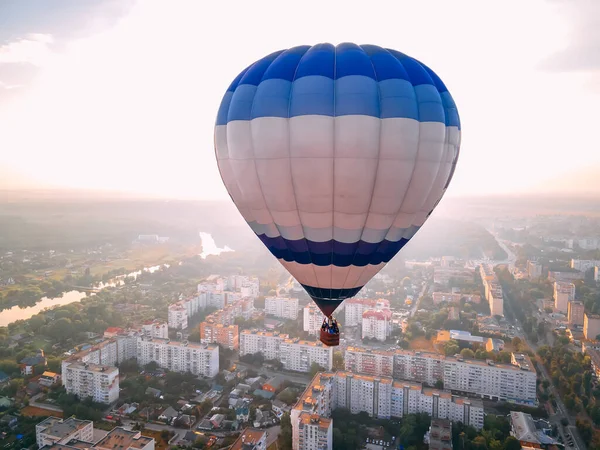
(524, 429)
(122, 439)
(307, 418)
(93, 368)
(63, 428)
(275, 381)
(248, 439)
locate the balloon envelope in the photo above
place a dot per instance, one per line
(336, 156)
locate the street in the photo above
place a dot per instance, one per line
(561, 410)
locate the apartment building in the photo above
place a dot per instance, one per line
(558, 275)
(443, 275)
(53, 430)
(100, 383)
(377, 324)
(515, 382)
(591, 326)
(294, 354)
(564, 293)
(199, 359)
(313, 319)
(193, 305)
(156, 329)
(285, 308)
(216, 333)
(122, 439)
(492, 289)
(243, 308)
(454, 297)
(314, 432)
(534, 270)
(369, 362)
(299, 355)
(178, 316)
(575, 312)
(355, 307)
(583, 265)
(380, 397)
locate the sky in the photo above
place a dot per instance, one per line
(123, 94)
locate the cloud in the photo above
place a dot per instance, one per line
(8, 87)
(581, 51)
(33, 49)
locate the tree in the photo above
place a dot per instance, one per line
(467, 353)
(205, 407)
(284, 440)
(451, 348)
(315, 368)
(512, 443)
(516, 342)
(338, 361)
(151, 366)
(439, 384)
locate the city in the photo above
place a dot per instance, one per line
(322, 225)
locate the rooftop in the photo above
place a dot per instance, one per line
(248, 439)
(120, 439)
(315, 419)
(180, 343)
(62, 428)
(93, 368)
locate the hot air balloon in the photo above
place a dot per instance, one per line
(336, 156)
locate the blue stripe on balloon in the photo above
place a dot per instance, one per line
(285, 65)
(331, 294)
(398, 99)
(272, 99)
(312, 95)
(332, 252)
(318, 60)
(452, 117)
(311, 70)
(240, 107)
(356, 94)
(224, 108)
(350, 59)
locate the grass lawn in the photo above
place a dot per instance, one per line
(33, 411)
(420, 343)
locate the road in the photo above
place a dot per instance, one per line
(415, 307)
(561, 410)
(294, 378)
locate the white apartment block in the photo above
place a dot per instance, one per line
(314, 432)
(369, 362)
(534, 270)
(100, 383)
(515, 382)
(299, 355)
(583, 265)
(313, 319)
(377, 324)
(193, 305)
(58, 431)
(493, 290)
(294, 354)
(156, 329)
(264, 342)
(178, 317)
(380, 397)
(564, 293)
(285, 308)
(199, 359)
(355, 307)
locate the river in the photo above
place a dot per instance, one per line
(17, 313)
(209, 247)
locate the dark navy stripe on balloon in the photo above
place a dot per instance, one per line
(325, 294)
(332, 252)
